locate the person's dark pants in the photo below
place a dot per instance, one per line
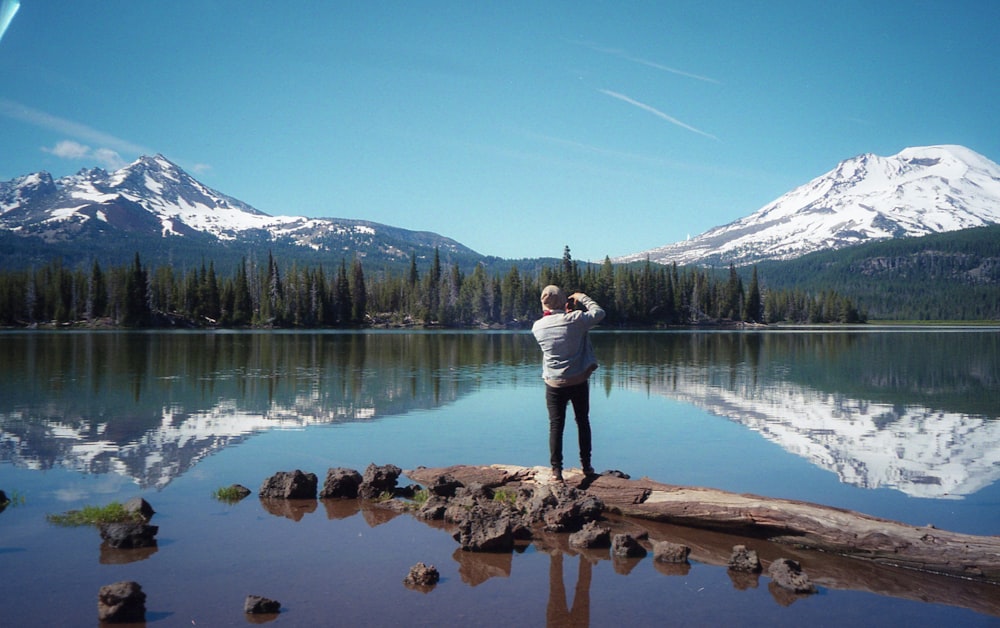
(556, 400)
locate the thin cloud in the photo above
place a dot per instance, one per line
(659, 66)
(41, 119)
(110, 147)
(656, 112)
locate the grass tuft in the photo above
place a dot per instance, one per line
(229, 494)
(95, 515)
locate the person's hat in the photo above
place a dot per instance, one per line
(553, 298)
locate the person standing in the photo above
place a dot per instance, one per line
(567, 362)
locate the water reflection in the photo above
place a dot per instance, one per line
(915, 411)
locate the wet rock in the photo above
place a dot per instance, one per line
(378, 480)
(573, 510)
(559, 507)
(341, 483)
(289, 485)
(591, 535)
(433, 509)
(129, 535)
(445, 486)
(3, 499)
(626, 546)
(615, 473)
(422, 575)
(121, 602)
(258, 605)
(139, 507)
(744, 560)
(466, 497)
(486, 528)
(788, 574)
(667, 552)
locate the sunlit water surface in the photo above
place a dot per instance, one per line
(898, 424)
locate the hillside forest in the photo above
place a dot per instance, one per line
(269, 295)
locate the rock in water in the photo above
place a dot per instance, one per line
(289, 485)
(340, 483)
(258, 605)
(788, 574)
(121, 602)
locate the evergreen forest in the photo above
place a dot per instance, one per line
(272, 295)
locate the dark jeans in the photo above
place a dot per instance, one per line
(556, 400)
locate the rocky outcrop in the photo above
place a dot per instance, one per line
(592, 535)
(341, 483)
(797, 523)
(121, 602)
(378, 481)
(289, 485)
(129, 535)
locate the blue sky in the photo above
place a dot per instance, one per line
(513, 127)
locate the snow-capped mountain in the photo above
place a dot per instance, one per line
(152, 198)
(919, 191)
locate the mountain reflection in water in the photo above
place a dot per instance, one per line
(916, 410)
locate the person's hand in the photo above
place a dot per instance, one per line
(573, 300)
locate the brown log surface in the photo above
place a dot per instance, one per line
(801, 524)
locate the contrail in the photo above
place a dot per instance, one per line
(7, 11)
(656, 112)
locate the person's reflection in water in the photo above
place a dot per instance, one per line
(558, 612)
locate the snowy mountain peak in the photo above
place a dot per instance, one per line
(153, 198)
(920, 190)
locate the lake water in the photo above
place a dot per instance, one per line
(895, 422)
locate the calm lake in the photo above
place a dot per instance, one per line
(899, 423)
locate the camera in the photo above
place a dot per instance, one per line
(570, 304)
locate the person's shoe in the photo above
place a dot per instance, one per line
(557, 474)
(588, 471)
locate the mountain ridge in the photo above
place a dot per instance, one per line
(153, 199)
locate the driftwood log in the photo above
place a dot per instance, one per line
(796, 523)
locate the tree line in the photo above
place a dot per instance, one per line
(265, 294)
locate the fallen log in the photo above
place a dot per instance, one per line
(797, 523)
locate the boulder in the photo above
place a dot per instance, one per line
(433, 509)
(422, 575)
(378, 480)
(257, 605)
(444, 486)
(486, 528)
(591, 535)
(129, 535)
(788, 574)
(667, 552)
(626, 546)
(139, 507)
(744, 560)
(289, 485)
(341, 483)
(121, 602)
